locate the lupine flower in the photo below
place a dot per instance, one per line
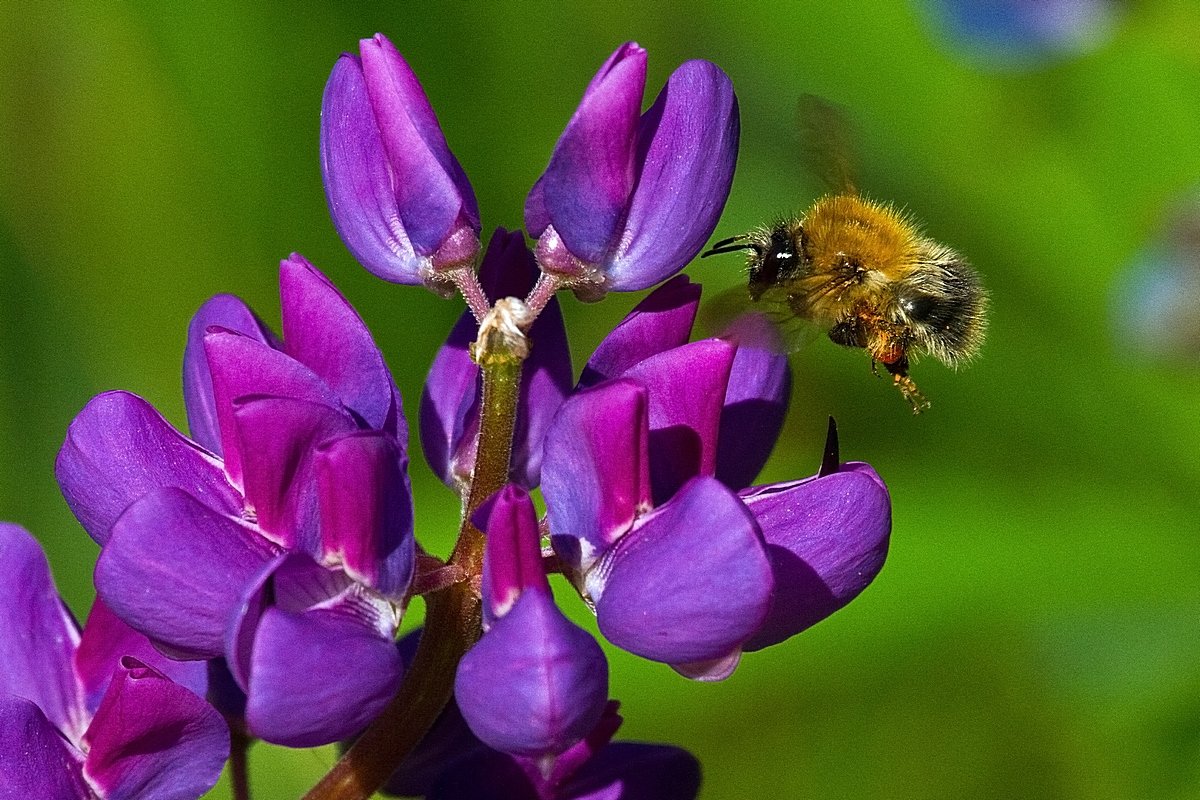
(97, 715)
(629, 198)
(398, 197)
(449, 416)
(279, 540)
(678, 565)
(1023, 32)
(535, 683)
(593, 769)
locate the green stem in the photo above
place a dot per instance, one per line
(452, 622)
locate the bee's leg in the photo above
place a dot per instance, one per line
(906, 385)
(875, 368)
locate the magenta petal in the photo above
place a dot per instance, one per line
(106, 639)
(323, 331)
(278, 437)
(756, 402)
(152, 738)
(687, 388)
(38, 637)
(366, 510)
(596, 478)
(512, 560)
(690, 583)
(318, 676)
(662, 320)
(223, 311)
(433, 196)
(175, 570)
(586, 186)
(687, 144)
(535, 683)
(35, 761)
(119, 448)
(827, 538)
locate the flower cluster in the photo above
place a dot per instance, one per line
(265, 560)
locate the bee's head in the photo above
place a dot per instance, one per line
(774, 254)
(945, 305)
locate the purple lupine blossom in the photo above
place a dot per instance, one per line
(279, 540)
(680, 566)
(629, 198)
(97, 715)
(449, 416)
(535, 683)
(398, 197)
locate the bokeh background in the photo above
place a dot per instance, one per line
(1034, 632)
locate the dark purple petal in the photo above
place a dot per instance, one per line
(366, 510)
(223, 311)
(585, 189)
(662, 320)
(534, 684)
(596, 476)
(545, 383)
(690, 583)
(242, 366)
(512, 560)
(756, 402)
(118, 449)
(358, 180)
(277, 437)
(636, 771)
(38, 637)
(106, 639)
(175, 570)
(687, 388)
(827, 539)
(153, 739)
(447, 406)
(35, 760)
(433, 196)
(486, 775)
(323, 331)
(320, 675)
(687, 149)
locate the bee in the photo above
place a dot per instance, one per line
(864, 271)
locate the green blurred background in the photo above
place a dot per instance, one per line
(1034, 631)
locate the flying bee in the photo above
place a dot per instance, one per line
(864, 271)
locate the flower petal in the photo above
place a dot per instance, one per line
(322, 331)
(175, 570)
(38, 637)
(756, 402)
(637, 771)
(512, 559)
(586, 186)
(318, 676)
(152, 738)
(827, 539)
(119, 448)
(596, 477)
(223, 311)
(366, 510)
(690, 583)
(687, 146)
(448, 405)
(35, 760)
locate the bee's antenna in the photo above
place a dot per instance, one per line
(729, 245)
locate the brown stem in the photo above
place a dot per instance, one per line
(239, 777)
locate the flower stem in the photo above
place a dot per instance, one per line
(452, 621)
(239, 748)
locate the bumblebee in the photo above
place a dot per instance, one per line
(864, 271)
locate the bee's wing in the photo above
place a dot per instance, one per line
(827, 142)
(768, 322)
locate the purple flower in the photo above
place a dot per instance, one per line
(535, 683)
(449, 414)
(279, 540)
(629, 198)
(647, 506)
(593, 769)
(398, 197)
(96, 716)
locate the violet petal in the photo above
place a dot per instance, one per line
(223, 311)
(119, 448)
(35, 760)
(152, 739)
(756, 402)
(38, 637)
(637, 771)
(586, 186)
(175, 570)
(451, 391)
(827, 539)
(687, 148)
(690, 583)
